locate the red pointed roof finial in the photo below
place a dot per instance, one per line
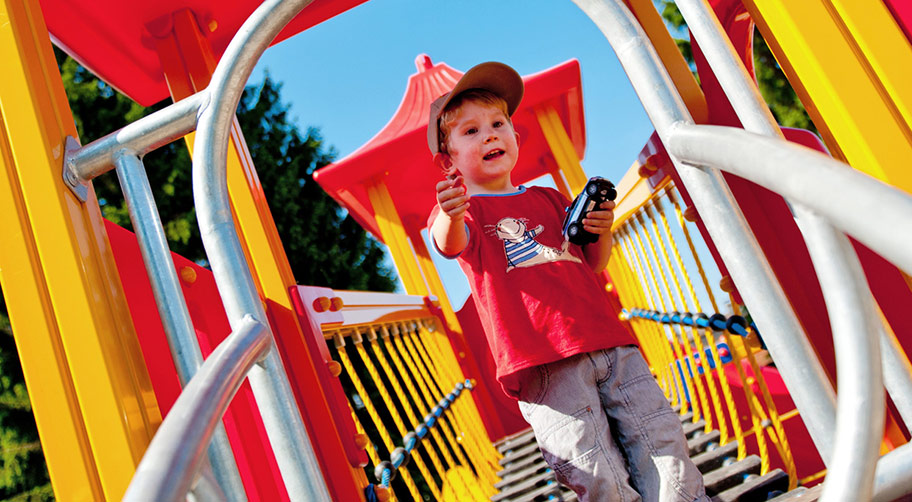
(423, 63)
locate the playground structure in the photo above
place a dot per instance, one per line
(101, 332)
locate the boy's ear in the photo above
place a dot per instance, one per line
(517, 139)
(442, 160)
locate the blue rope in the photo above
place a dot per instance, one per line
(735, 324)
(385, 471)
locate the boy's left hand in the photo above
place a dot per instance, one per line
(599, 221)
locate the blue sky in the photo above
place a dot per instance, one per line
(347, 75)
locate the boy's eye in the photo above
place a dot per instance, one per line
(498, 123)
(471, 130)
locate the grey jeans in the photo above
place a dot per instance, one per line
(607, 431)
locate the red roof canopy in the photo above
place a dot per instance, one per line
(399, 154)
(114, 38)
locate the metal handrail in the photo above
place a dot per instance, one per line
(283, 422)
(849, 302)
(169, 466)
(172, 307)
(174, 456)
(785, 338)
(855, 326)
(857, 333)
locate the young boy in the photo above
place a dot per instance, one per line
(601, 420)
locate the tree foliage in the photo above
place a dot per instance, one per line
(774, 86)
(324, 245)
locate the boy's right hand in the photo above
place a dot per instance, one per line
(452, 197)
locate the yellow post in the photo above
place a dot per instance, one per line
(394, 235)
(849, 62)
(432, 278)
(88, 384)
(562, 148)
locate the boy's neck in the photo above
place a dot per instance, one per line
(499, 187)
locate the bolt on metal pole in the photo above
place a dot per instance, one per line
(172, 307)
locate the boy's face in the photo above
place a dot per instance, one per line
(481, 146)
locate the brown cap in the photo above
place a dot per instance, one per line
(492, 76)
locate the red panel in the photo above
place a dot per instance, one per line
(114, 39)
(302, 298)
(246, 433)
(902, 12)
(506, 409)
(807, 460)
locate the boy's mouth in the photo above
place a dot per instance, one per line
(493, 154)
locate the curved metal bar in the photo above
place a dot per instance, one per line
(172, 308)
(142, 136)
(860, 401)
(892, 479)
(169, 467)
(880, 215)
(281, 417)
(855, 333)
(807, 383)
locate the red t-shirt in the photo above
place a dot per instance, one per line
(537, 298)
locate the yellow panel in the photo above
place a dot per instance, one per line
(883, 44)
(850, 65)
(435, 285)
(674, 63)
(91, 394)
(562, 148)
(395, 237)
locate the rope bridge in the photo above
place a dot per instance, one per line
(408, 395)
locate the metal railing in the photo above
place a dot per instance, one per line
(698, 153)
(171, 463)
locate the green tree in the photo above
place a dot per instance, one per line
(324, 244)
(774, 86)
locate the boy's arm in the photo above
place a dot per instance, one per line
(448, 230)
(599, 222)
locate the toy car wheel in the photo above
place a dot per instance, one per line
(573, 230)
(591, 188)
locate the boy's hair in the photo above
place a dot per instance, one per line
(478, 96)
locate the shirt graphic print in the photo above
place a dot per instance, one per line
(521, 248)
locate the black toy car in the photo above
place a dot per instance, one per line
(597, 190)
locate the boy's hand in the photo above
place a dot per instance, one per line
(599, 221)
(452, 198)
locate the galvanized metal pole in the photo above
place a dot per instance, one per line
(172, 307)
(142, 136)
(284, 424)
(892, 479)
(733, 238)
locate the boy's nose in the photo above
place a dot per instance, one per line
(491, 136)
